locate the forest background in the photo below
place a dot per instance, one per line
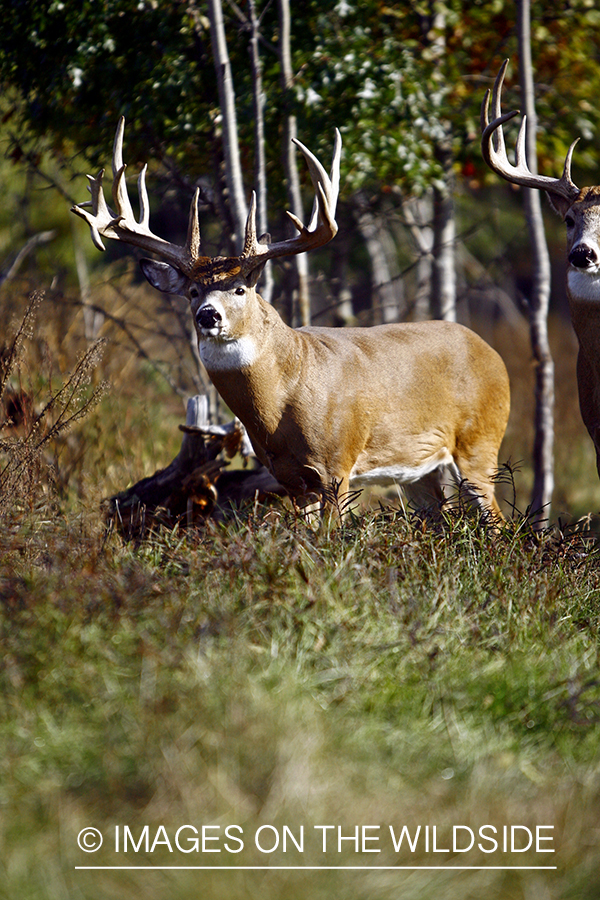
(425, 229)
(263, 673)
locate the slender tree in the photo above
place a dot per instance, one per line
(539, 299)
(290, 167)
(260, 165)
(443, 264)
(233, 169)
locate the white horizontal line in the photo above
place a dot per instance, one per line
(328, 868)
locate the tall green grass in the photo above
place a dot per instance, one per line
(393, 672)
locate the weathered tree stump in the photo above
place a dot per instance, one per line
(196, 486)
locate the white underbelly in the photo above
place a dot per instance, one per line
(399, 474)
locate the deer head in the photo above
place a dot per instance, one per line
(579, 208)
(228, 281)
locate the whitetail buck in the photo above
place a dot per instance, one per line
(580, 210)
(423, 405)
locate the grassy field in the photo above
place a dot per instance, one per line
(260, 681)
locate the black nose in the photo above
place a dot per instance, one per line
(583, 256)
(207, 317)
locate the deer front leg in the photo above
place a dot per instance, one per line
(334, 500)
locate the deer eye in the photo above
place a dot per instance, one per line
(240, 291)
(194, 293)
(569, 221)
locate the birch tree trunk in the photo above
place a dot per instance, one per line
(385, 291)
(443, 271)
(260, 166)
(233, 170)
(443, 264)
(290, 164)
(418, 216)
(543, 449)
(443, 274)
(93, 319)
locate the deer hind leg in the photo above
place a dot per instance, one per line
(452, 484)
(475, 475)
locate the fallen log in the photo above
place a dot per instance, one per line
(196, 485)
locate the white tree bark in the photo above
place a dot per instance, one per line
(543, 449)
(418, 215)
(93, 319)
(233, 170)
(290, 164)
(260, 166)
(443, 268)
(385, 290)
(443, 265)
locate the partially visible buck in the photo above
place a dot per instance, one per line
(424, 405)
(580, 210)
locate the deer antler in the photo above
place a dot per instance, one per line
(122, 225)
(494, 148)
(322, 226)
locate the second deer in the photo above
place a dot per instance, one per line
(580, 211)
(424, 405)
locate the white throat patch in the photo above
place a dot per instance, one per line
(222, 355)
(584, 285)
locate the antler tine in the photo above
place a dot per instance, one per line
(520, 148)
(143, 195)
(495, 155)
(192, 244)
(119, 187)
(493, 148)
(251, 247)
(322, 226)
(566, 175)
(323, 184)
(100, 211)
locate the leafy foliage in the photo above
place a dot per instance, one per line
(380, 95)
(86, 64)
(407, 79)
(398, 78)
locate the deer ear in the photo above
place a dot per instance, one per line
(164, 277)
(559, 204)
(253, 276)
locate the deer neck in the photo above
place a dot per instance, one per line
(254, 373)
(583, 291)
